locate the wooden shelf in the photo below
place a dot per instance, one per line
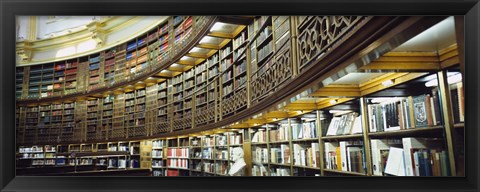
(336, 137)
(459, 125)
(421, 131)
(306, 167)
(345, 172)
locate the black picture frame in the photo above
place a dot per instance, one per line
(8, 9)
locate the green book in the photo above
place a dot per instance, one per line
(444, 163)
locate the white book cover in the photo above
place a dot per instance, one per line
(343, 155)
(357, 125)
(255, 137)
(332, 128)
(297, 154)
(300, 131)
(302, 158)
(349, 118)
(315, 149)
(406, 118)
(377, 145)
(282, 152)
(395, 162)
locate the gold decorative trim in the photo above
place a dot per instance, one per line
(32, 34)
(100, 32)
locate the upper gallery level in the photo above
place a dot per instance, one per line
(43, 39)
(194, 73)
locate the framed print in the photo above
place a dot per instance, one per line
(213, 95)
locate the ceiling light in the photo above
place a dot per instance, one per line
(195, 49)
(387, 83)
(205, 39)
(217, 26)
(333, 101)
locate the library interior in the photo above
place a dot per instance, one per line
(240, 96)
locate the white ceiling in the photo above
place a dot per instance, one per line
(438, 37)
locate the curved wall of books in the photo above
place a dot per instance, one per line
(203, 85)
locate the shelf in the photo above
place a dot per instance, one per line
(182, 168)
(427, 131)
(258, 143)
(280, 164)
(302, 140)
(356, 136)
(306, 167)
(459, 125)
(278, 142)
(345, 172)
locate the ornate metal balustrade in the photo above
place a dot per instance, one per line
(272, 75)
(234, 103)
(318, 34)
(162, 127)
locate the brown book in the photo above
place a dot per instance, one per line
(412, 116)
(317, 157)
(437, 163)
(461, 102)
(429, 111)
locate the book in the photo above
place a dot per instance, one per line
(395, 162)
(332, 128)
(420, 111)
(315, 154)
(357, 125)
(343, 155)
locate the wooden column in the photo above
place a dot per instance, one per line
(366, 139)
(459, 35)
(447, 117)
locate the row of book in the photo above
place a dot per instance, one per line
(404, 113)
(345, 156)
(410, 157)
(350, 123)
(306, 155)
(279, 154)
(305, 130)
(177, 163)
(178, 152)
